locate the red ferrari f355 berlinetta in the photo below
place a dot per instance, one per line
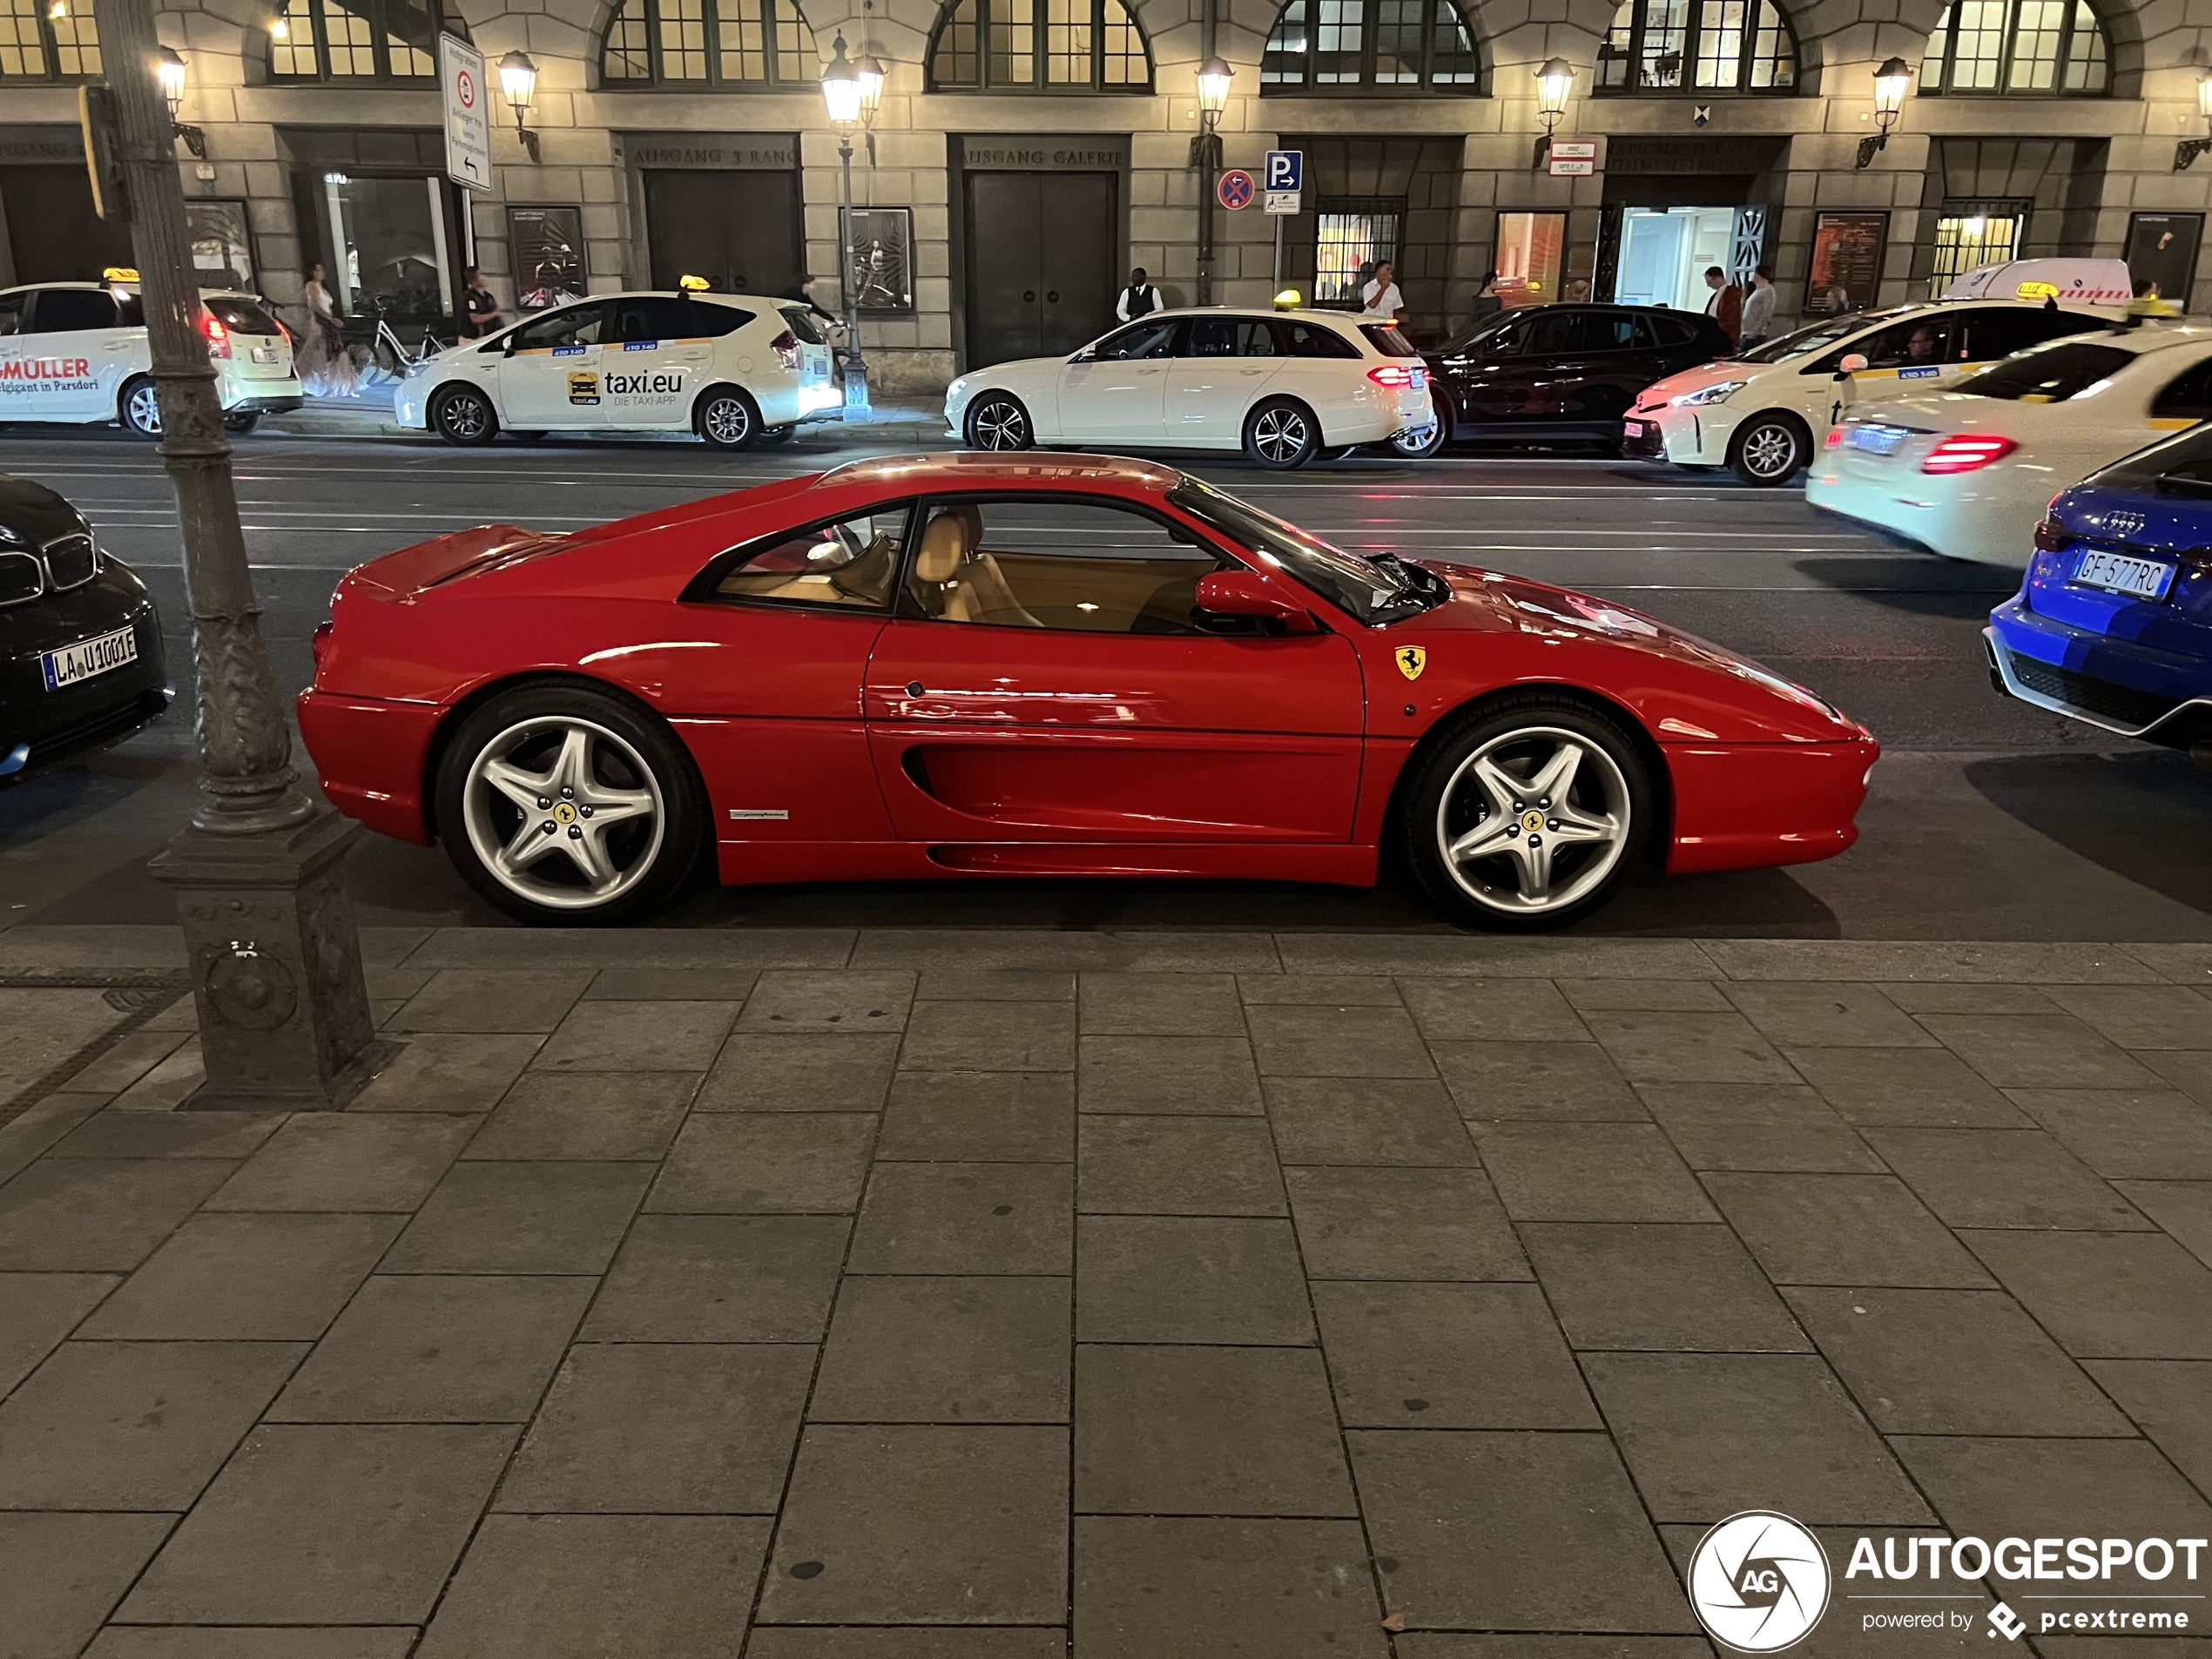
(981, 664)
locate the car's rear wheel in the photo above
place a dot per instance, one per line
(242, 424)
(139, 409)
(463, 414)
(1528, 815)
(1282, 434)
(727, 418)
(999, 420)
(1770, 450)
(780, 433)
(1423, 442)
(534, 437)
(565, 806)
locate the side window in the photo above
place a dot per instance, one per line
(1310, 340)
(1672, 332)
(1555, 334)
(643, 318)
(1610, 331)
(850, 562)
(62, 310)
(705, 319)
(1229, 337)
(11, 307)
(2187, 398)
(1917, 342)
(803, 324)
(1146, 339)
(572, 326)
(2002, 330)
(1074, 565)
(1512, 340)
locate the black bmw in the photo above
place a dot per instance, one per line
(80, 643)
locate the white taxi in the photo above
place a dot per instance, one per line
(733, 367)
(1763, 413)
(1968, 474)
(1281, 385)
(77, 354)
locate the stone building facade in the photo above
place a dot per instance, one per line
(1026, 153)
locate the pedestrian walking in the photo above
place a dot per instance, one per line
(480, 315)
(1381, 297)
(1726, 307)
(325, 368)
(1487, 303)
(1140, 299)
(803, 291)
(1759, 308)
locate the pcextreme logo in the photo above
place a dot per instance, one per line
(1759, 1582)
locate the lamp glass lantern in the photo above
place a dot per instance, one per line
(1214, 76)
(842, 93)
(2204, 93)
(169, 69)
(518, 79)
(872, 74)
(1553, 81)
(1892, 82)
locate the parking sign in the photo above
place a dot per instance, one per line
(1286, 170)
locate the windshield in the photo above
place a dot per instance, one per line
(1484, 329)
(1819, 336)
(2051, 375)
(1376, 591)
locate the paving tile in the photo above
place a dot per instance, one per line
(1167, 1074)
(1512, 1531)
(2148, 1135)
(1685, 995)
(2037, 1051)
(757, 1162)
(239, 1642)
(2111, 1296)
(911, 1641)
(1708, 1434)
(663, 1428)
(2190, 1071)
(801, 1074)
(1182, 1588)
(693, 948)
(2184, 964)
(1588, 1172)
(1160, 1005)
(1179, 1166)
(1460, 1010)
(948, 1349)
(168, 1084)
(540, 1217)
(2041, 1489)
(671, 985)
(1321, 1042)
(2141, 1016)
(923, 1525)
(1685, 1288)
(1402, 1224)
(1842, 1230)
(1091, 950)
(49, 1027)
(1827, 1015)
(1918, 959)
(168, 1135)
(1757, 1126)
(477, 1000)
(589, 1118)
(1449, 1356)
(1906, 1086)
(2182, 1208)
(1189, 1279)
(1336, 990)
(989, 1036)
(99, 1215)
(1559, 1082)
(64, 1572)
(1188, 1430)
(2171, 1401)
(997, 985)
(2001, 1177)
(1951, 1362)
(1352, 1121)
(720, 1278)
(39, 1309)
(1446, 1645)
(123, 1062)
(437, 1349)
(575, 1587)
(1937, 996)
(1666, 1047)
(133, 1425)
(28, 1135)
(436, 1073)
(841, 1003)
(269, 1278)
(965, 1218)
(354, 1523)
(981, 1116)
(1493, 956)
(638, 1036)
(357, 1161)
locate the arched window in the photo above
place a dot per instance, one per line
(1339, 46)
(1038, 46)
(36, 45)
(358, 40)
(709, 43)
(1701, 47)
(2018, 46)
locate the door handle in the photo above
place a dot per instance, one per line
(1052, 296)
(1028, 295)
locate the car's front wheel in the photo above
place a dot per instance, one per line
(1282, 434)
(1770, 450)
(998, 420)
(727, 418)
(1528, 815)
(463, 414)
(139, 407)
(563, 805)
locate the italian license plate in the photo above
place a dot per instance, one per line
(2117, 573)
(1877, 440)
(71, 663)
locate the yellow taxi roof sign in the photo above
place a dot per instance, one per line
(118, 273)
(691, 284)
(2037, 291)
(2082, 282)
(1289, 299)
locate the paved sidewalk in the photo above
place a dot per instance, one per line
(902, 1295)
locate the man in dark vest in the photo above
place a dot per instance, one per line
(1140, 299)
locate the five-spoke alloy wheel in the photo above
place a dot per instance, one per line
(997, 421)
(1424, 441)
(141, 410)
(1281, 434)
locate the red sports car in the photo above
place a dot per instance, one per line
(983, 664)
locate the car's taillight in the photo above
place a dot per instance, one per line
(321, 643)
(1835, 438)
(219, 338)
(1396, 376)
(2051, 535)
(786, 346)
(1961, 452)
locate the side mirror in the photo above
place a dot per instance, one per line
(1241, 593)
(1854, 363)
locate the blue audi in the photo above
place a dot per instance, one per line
(2113, 625)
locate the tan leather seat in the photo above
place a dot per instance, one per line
(957, 581)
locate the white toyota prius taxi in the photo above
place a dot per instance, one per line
(77, 354)
(1281, 386)
(736, 368)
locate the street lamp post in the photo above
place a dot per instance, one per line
(844, 93)
(274, 956)
(1891, 81)
(2188, 150)
(1205, 155)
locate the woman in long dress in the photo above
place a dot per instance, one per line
(326, 369)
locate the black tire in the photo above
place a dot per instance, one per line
(1281, 434)
(1770, 450)
(533, 436)
(242, 424)
(464, 415)
(999, 420)
(1427, 441)
(1445, 802)
(651, 867)
(776, 435)
(727, 417)
(137, 409)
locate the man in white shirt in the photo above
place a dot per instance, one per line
(1758, 307)
(1381, 298)
(1140, 299)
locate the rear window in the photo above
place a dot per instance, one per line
(2049, 376)
(241, 316)
(1385, 338)
(800, 321)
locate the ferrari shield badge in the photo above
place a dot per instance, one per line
(1412, 659)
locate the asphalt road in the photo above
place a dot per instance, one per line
(1988, 820)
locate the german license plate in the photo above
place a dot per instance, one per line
(265, 354)
(1631, 428)
(71, 663)
(1877, 440)
(2117, 573)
